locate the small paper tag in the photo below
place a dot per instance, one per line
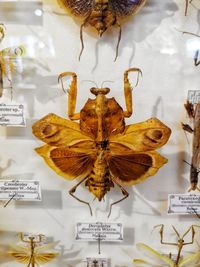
(193, 96)
(37, 238)
(20, 190)
(12, 115)
(183, 204)
(99, 231)
(97, 262)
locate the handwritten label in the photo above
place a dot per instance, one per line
(12, 115)
(193, 96)
(183, 204)
(97, 262)
(20, 190)
(99, 231)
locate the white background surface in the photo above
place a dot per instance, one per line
(151, 41)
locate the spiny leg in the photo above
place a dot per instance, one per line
(124, 193)
(196, 60)
(72, 191)
(72, 94)
(118, 42)
(128, 91)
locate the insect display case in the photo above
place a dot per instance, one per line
(103, 86)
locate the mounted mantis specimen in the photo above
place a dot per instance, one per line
(100, 149)
(101, 14)
(33, 253)
(8, 57)
(194, 114)
(161, 260)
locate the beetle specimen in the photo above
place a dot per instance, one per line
(101, 14)
(33, 253)
(194, 113)
(192, 260)
(101, 149)
(8, 57)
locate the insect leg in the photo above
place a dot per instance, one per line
(196, 61)
(119, 39)
(82, 42)
(161, 232)
(72, 191)
(72, 94)
(124, 193)
(193, 234)
(128, 91)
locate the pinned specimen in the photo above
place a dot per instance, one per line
(160, 260)
(194, 114)
(101, 14)
(8, 57)
(101, 149)
(33, 253)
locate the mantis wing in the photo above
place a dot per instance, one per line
(20, 253)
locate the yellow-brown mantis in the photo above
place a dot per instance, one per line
(33, 253)
(161, 260)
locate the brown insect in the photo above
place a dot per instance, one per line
(8, 58)
(33, 253)
(194, 113)
(100, 149)
(101, 14)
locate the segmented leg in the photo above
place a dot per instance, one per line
(128, 91)
(124, 193)
(72, 94)
(82, 42)
(161, 232)
(193, 235)
(118, 42)
(73, 190)
(196, 60)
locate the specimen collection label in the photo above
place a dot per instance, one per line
(183, 203)
(99, 231)
(20, 190)
(193, 96)
(92, 262)
(12, 115)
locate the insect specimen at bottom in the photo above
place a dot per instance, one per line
(101, 149)
(194, 113)
(33, 253)
(8, 57)
(101, 14)
(160, 260)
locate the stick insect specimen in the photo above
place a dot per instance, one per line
(194, 114)
(8, 58)
(101, 14)
(192, 260)
(33, 253)
(100, 149)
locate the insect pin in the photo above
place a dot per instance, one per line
(101, 149)
(161, 260)
(33, 253)
(194, 114)
(101, 14)
(8, 57)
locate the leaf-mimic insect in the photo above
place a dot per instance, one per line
(102, 14)
(33, 253)
(194, 113)
(8, 57)
(159, 260)
(101, 149)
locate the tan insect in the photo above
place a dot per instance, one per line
(161, 260)
(101, 14)
(194, 114)
(101, 149)
(8, 58)
(33, 253)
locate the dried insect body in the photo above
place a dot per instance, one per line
(194, 114)
(101, 149)
(33, 253)
(160, 260)
(8, 57)
(101, 14)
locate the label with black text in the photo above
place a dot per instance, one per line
(183, 203)
(12, 115)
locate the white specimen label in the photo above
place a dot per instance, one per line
(183, 203)
(20, 190)
(97, 262)
(193, 96)
(99, 231)
(12, 115)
